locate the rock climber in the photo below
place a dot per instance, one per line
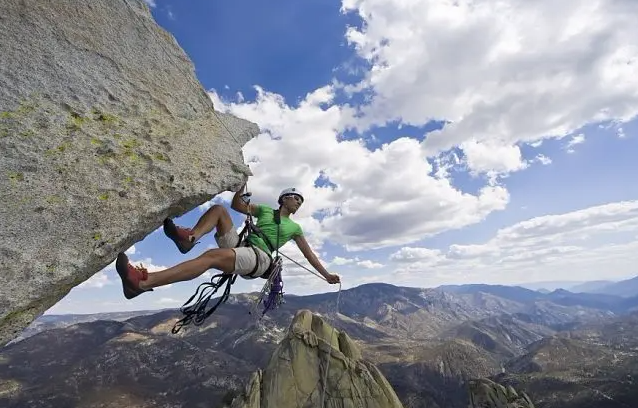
(249, 261)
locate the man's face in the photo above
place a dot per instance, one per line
(292, 202)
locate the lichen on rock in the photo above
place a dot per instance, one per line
(104, 132)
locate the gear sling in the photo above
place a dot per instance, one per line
(197, 312)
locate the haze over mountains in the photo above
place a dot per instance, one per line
(574, 286)
(564, 349)
(625, 288)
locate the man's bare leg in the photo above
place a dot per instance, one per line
(185, 238)
(215, 217)
(136, 279)
(219, 258)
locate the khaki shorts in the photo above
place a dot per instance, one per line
(244, 256)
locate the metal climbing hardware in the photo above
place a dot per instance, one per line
(271, 295)
(197, 312)
(275, 294)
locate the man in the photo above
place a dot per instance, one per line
(249, 261)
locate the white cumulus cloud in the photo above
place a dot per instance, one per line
(368, 264)
(500, 72)
(385, 197)
(575, 140)
(99, 280)
(579, 245)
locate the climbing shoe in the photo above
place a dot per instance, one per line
(131, 276)
(180, 236)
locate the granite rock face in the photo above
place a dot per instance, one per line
(485, 393)
(294, 377)
(104, 132)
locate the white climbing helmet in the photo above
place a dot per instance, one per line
(288, 191)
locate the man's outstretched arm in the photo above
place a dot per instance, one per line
(238, 204)
(313, 260)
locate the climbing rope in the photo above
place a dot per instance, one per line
(226, 127)
(325, 374)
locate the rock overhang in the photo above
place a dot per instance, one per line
(104, 132)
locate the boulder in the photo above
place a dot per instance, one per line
(104, 132)
(316, 365)
(485, 393)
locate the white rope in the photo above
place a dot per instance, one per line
(325, 375)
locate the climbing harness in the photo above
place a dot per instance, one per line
(197, 312)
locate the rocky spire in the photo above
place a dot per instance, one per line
(485, 393)
(294, 377)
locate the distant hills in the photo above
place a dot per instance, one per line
(52, 321)
(623, 288)
(600, 301)
(589, 287)
(565, 349)
(572, 286)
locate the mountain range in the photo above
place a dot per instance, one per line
(563, 349)
(623, 288)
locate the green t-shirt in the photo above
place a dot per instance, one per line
(266, 222)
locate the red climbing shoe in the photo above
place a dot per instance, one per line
(179, 235)
(131, 276)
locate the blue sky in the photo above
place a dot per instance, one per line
(509, 210)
